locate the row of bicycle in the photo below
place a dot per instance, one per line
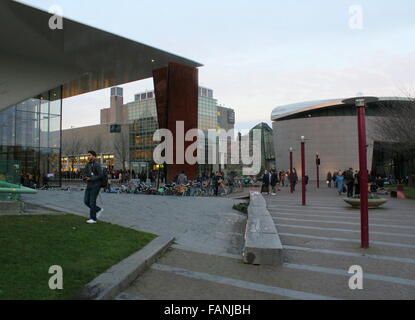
(190, 189)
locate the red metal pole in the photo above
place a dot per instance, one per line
(318, 172)
(291, 171)
(364, 210)
(303, 170)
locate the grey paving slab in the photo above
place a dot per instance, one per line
(206, 223)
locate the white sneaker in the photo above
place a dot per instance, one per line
(100, 212)
(90, 221)
(274, 194)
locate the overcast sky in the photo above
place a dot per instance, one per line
(258, 55)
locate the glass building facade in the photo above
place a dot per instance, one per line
(142, 115)
(30, 138)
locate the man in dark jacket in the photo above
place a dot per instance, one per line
(349, 181)
(93, 178)
(274, 182)
(266, 181)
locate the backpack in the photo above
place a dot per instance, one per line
(104, 179)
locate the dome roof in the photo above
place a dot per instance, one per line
(291, 109)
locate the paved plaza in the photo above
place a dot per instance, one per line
(321, 242)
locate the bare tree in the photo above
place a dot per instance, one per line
(395, 126)
(96, 144)
(72, 146)
(121, 143)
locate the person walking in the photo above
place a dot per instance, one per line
(340, 182)
(93, 179)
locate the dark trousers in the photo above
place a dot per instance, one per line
(265, 188)
(90, 201)
(350, 190)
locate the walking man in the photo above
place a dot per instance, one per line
(93, 178)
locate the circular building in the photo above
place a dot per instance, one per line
(330, 130)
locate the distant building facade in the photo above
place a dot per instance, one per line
(134, 124)
(330, 129)
(267, 146)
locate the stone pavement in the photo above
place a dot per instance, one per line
(204, 224)
(321, 242)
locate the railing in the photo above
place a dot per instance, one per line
(9, 191)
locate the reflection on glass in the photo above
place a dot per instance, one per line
(31, 137)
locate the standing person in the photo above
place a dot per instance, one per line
(231, 182)
(217, 180)
(266, 181)
(306, 179)
(182, 179)
(335, 179)
(340, 182)
(329, 179)
(357, 183)
(274, 182)
(282, 178)
(349, 181)
(93, 178)
(295, 178)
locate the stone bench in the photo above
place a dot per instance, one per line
(262, 242)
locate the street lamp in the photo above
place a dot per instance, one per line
(360, 104)
(318, 170)
(303, 170)
(291, 171)
(364, 207)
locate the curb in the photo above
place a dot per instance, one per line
(262, 242)
(111, 283)
(54, 208)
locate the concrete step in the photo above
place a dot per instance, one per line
(188, 275)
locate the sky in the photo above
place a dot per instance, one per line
(259, 55)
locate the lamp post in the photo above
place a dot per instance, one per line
(291, 171)
(318, 170)
(364, 211)
(303, 170)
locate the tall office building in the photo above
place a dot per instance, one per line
(142, 115)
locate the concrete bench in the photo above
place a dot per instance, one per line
(262, 242)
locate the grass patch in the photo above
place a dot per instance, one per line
(30, 245)
(242, 207)
(409, 191)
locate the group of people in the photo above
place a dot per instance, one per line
(272, 180)
(345, 181)
(216, 181)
